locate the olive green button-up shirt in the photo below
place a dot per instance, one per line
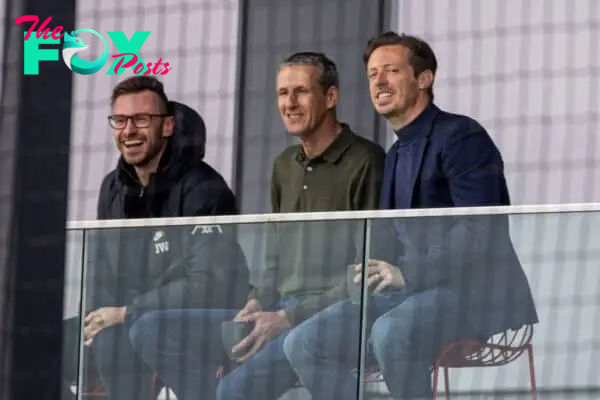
(307, 260)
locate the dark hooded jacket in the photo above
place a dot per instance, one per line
(171, 266)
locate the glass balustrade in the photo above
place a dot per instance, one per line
(345, 305)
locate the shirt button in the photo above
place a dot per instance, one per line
(305, 187)
(309, 168)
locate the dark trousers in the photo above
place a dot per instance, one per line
(111, 359)
(184, 348)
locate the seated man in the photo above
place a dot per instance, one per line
(332, 169)
(433, 280)
(161, 173)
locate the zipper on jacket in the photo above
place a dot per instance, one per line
(142, 192)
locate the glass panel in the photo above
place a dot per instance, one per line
(464, 283)
(72, 302)
(184, 288)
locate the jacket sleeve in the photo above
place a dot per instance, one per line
(473, 167)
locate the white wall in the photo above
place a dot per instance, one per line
(199, 40)
(528, 70)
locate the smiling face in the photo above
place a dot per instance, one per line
(142, 140)
(393, 86)
(302, 102)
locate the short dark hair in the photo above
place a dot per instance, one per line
(328, 74)
(422, 57)
(136, 84)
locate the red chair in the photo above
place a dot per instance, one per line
(500, 350)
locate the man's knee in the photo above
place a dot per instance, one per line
(413, 329)
(143, 333)
(382, 333)
(226, 390)
(302, 341)
(238, 384)
(295, 344)
(322, 334)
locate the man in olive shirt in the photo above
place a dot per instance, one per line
(332, 169)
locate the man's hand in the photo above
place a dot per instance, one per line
(267, 325)
(381, 272)
(251, 307)
(100, 319)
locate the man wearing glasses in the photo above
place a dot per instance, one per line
(160, 173)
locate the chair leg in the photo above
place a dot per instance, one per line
(532, 372)
(447, 382)
(436, 371)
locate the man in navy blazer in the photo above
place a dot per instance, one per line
(432, 280)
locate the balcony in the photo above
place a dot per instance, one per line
(203, 264)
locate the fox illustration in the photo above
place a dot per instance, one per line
(73, 45)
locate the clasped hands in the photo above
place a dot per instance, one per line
(380, 275)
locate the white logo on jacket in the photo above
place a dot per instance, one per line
(206, 229)
(161, 245)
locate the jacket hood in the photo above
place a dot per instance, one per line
(188, 143)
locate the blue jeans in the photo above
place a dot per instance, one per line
(406, 334)
(184, 348)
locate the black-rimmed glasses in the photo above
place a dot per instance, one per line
(138, 120)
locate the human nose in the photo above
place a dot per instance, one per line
(129, 127)
(379, 79)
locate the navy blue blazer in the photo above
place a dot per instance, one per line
(456, 164)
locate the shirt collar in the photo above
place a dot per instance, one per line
(336, 149)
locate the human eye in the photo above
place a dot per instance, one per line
(141, 118)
